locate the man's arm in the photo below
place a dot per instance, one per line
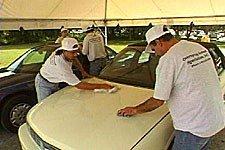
(80, 67)
(91, 86)
(146, 106)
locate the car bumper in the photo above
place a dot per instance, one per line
(26, 141)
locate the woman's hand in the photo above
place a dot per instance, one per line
(107, 86)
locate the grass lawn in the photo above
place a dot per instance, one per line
(119, 45)
(11, 52)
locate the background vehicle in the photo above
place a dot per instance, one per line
(85, 120)
(17, 91)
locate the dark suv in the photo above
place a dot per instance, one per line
(136, 66)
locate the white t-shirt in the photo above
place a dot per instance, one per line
(59, 40)
(56, 69)
(93, 46)
(186, 78)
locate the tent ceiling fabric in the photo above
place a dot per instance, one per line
(45, 14)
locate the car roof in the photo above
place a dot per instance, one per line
(205, 44)
(142, 43)
(46, 47)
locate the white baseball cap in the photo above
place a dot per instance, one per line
(88, 28)
(64, 29)
(154, 33)
(69, 44)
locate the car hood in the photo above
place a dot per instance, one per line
(82, 119)
(9, 78)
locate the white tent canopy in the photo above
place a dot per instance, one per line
(48, 14)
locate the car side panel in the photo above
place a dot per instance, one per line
(159, 136)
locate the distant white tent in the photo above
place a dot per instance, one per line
(48, 14)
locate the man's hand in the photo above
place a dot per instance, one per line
(127, 111)
(147, 106)
(80, 47)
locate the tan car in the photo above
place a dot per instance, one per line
(86, 120)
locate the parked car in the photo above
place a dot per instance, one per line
(17, 91)
(221, 39)
(78, 119)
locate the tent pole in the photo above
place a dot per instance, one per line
(105, 24)
(106, 35)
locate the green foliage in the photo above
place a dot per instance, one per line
(127, 33)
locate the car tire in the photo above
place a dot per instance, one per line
(14, 112)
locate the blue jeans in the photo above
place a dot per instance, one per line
(97, 65)
(188, 141)
(44, 88)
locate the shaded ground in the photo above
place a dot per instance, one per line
(8, 141)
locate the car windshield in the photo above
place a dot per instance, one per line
(111, 53)
(217, 56)
(12, 67)
(32, 60)
(132, 66)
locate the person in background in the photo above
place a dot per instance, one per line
(205, 38)
(58, 68)
(94, 48)
(64, 33)
(187, 81)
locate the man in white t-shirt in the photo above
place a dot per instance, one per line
(64, 33)
(94, 48)
(187, 80)
(205, 38)
(58, 68)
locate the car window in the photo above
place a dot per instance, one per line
(217, 56)
(217, 60)
(34, 60)
(144, 57)
(125, 60)
(14, 65)
(110, 52)
(34, 57)
(132, 66)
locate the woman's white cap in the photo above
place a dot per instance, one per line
(69, 44)
(64, 29)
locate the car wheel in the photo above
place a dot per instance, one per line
(14, 112)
